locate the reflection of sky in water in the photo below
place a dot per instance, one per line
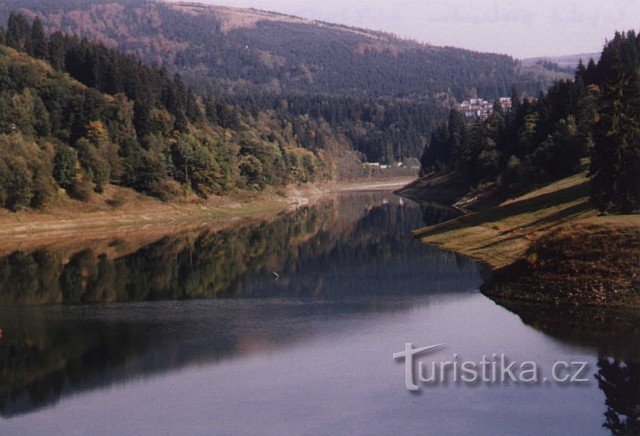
(310, 352)
(336, 374)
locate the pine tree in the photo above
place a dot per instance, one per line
(57, 51)
(19, 32)
(592, 73)
(193, 112)
(142, 118)
(615, 162)
(581, 72)
(458, 141)
(38, 39)
(515, 100)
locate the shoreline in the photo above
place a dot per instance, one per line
(143, 216)
(550, 246)
(499, 236)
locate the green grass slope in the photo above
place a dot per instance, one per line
(550, 246)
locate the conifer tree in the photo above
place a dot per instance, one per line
(56, 50)
(615, 162)
(19, 32)
(38, 39)
(515, 100)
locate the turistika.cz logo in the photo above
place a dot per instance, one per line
(491, 370)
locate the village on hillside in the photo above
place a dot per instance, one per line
(480, 108)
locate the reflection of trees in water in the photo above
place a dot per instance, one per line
(610, 332)
(177, 267)
(38, 360)
(433, 213)
(44, 355)
(375, 255)
(620, 382)
(351, 244)
(347, 232)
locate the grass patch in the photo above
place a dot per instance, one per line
(500, 235)
(550, 245)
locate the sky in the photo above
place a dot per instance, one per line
(517, 27)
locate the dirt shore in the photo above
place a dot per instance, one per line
(550, 246)
(121, 212)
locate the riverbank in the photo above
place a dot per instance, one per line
(550, 246)
(444, 189)
(121, 211)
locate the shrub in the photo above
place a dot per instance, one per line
(24, 174)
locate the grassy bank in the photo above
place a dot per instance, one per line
(442, 189)
(551, 246)
(500, 235)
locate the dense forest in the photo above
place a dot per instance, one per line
(593, 116)
(369, 92)
(205, 103)
(77, 115)
(245, 48)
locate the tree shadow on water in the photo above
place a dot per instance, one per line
(620, 383)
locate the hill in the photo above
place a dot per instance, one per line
(560, 243)
(568, 62)
(76, 116)
(240, 49)
(551, 246)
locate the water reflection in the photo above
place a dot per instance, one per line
(610, 332)
(343, 257)
(433, 213)
(615, 337)
(350, 279)
(313, 251)
(620, 382)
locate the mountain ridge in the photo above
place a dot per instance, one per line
(261, 14)
(234, 50)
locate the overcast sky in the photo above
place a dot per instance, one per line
(518, 27)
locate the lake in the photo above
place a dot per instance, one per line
(288, 326)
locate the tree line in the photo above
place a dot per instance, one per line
(593, 118)
(77, 115)
(379, 95)
(282, 53)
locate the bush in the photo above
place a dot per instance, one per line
(166, 189)
(24, 174)
(66, 168)
(81, 189)
(251, 173)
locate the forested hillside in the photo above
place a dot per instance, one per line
(371, 92)
(76, 115)
(593, 116)
(282, 53)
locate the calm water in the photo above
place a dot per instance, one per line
(288, 326)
